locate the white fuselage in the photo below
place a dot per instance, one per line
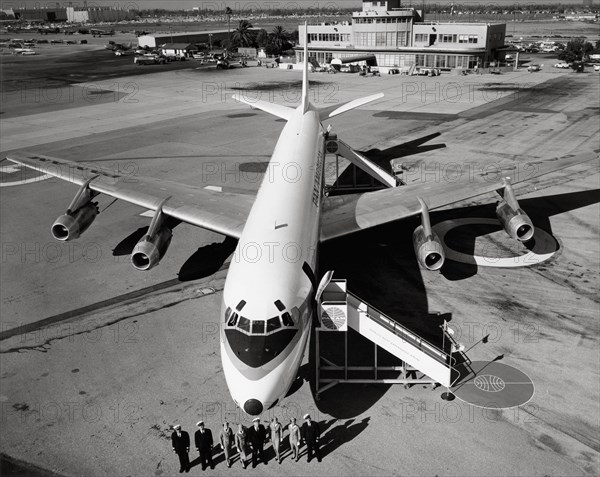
(268, 288)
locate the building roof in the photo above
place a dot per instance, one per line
(176, 46)
(190, 33)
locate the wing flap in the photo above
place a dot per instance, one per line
(343, 215)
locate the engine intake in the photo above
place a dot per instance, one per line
(72, 224)
(428, 249)
(151, 249)
(517, 223)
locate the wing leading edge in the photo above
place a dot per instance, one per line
(221, 212)
(343, 215)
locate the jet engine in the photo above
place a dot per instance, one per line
(150, 249)
(79, 216)
(427, 245)
(517, 223)
(70, 226)
(153, 246)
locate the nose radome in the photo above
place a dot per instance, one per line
(253, 407)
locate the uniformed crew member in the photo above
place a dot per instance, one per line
(311, 433)
(226, 438)
(256, 437)
(181, 446)
(294, 430)
(276, 437)
(242, 444)
(204, 444)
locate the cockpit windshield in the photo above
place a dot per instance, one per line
(286, 320)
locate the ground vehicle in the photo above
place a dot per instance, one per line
(429, 72)
(533, 68)
(149, 60)
(596, 67)
(561, 65)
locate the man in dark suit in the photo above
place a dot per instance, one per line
(204, 444)
(256, 438)
(311, 434)
(181, 446)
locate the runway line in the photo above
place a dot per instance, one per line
(30, 327)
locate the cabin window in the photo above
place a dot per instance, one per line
(279, 305)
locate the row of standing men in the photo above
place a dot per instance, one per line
(247, 441)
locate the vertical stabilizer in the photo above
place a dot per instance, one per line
(305, 103)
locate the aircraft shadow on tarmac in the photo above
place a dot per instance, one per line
(539, 209)
(380, 267)
(207, 260)
(353, 175)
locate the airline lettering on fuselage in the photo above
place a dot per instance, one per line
(317, 189)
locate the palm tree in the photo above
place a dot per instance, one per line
(242, 35)
(228, 12)
(279, 38)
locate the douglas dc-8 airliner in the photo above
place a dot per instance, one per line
(271, 287)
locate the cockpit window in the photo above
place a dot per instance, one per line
(273, 324)
(232, 320)
(258, 327)
(244, 324)
(287, 319)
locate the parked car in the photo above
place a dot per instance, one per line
(561, 65)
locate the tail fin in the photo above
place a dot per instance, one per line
(305, 85)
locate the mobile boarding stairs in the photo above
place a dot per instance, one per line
(339, 310)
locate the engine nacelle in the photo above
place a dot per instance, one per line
(150, 249)
(517, 223)
(428, 249)
(71, 225)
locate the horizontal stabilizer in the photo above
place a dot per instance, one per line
(272, 108)
(327, 112)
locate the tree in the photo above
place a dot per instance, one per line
(575, 50)
(262, 38)
(243, 35)
(228, 12)
(279, 39)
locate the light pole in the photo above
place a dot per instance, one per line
(210, 41)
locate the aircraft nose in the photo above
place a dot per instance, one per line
(253, 407)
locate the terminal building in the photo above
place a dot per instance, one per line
(385, 34)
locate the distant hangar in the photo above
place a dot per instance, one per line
(155, 40)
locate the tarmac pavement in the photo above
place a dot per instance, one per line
(122, 355)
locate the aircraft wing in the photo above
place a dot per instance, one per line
(343, 215)
(221, 212)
